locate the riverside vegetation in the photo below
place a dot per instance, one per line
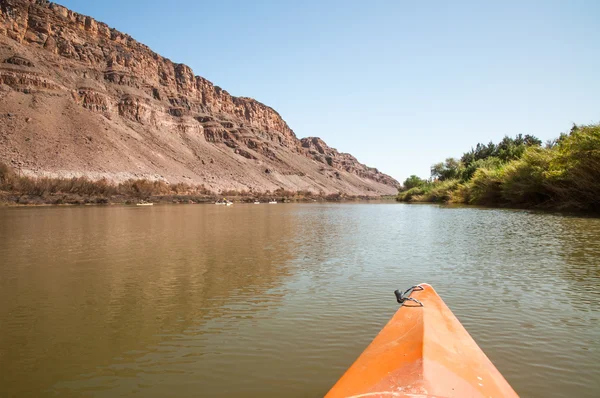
(563, 174)
(26, 190)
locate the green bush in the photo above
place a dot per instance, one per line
(412, 193)
(489, 163)
(525, 181)
(412, 182)
(574, 170)
(441, 191)
(447, 170)
(519, 172)
(461, 193)
(486, 187)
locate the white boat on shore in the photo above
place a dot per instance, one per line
(256, 202)
(272, 202)
(224, 202)
(144, 203)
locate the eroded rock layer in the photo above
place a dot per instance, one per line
(80, 98)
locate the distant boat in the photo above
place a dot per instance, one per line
(272, 202)
(224, 202)
(144, 203)
(256, 202)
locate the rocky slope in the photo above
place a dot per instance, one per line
(80, 98)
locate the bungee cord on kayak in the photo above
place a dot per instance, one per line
(403, 297)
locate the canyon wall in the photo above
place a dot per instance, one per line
(80, 98)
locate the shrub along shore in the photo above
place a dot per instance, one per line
(563, 174)
(24, 190)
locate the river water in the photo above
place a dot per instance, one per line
(278, 300)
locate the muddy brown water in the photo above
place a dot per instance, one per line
(278, 300)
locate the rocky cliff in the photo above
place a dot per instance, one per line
(80, 98)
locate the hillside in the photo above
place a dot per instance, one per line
(78, 98)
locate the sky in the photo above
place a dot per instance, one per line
(399, 84)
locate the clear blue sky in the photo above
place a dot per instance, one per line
(399, 84)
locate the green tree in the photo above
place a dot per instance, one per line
(508, 149)
(413, 181)
(481, 151)
(490, 163)
(450, 169)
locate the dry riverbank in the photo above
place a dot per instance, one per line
(16, 189)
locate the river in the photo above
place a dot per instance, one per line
(278, 300)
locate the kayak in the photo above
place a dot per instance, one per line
(423, 351)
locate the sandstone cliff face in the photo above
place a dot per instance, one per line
(80, 98)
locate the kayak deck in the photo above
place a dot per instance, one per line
(422, 352)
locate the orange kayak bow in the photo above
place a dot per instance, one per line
(423, 351)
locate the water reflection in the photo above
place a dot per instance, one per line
(580, 252)
(84, 286)
(277, 301)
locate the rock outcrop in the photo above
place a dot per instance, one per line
(86, 99)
